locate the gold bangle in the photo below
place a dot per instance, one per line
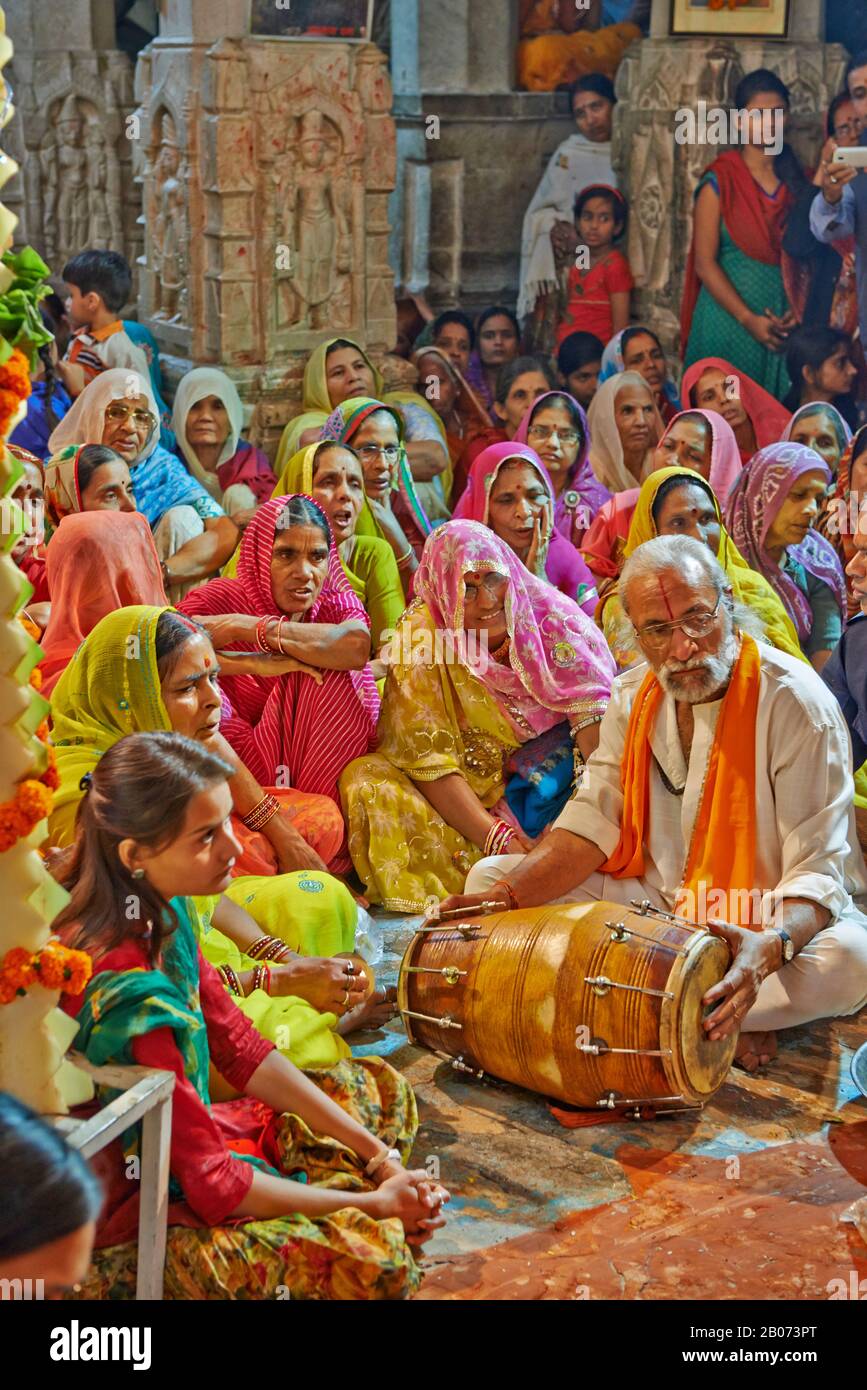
(404, 559)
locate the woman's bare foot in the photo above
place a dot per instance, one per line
(375, 1012)
(755, 1050)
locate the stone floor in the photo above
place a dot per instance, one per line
(742, 1200)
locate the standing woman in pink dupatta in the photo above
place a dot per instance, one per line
(300, 726)
(771, 515)
(496, 685)
(556, 427)
(510, 490)
(698, 439)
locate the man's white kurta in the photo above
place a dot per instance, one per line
(804, 789)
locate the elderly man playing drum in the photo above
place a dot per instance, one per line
(721, 790)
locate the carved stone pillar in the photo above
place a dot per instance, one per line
(71, 134)
(662, 75)
(266, 170)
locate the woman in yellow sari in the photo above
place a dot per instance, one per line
(332, 475)
(680, 502)
(458, 722)
(339, 369)
(114, 686)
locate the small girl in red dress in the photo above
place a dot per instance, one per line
(600, 281)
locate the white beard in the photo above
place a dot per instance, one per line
(716, 671)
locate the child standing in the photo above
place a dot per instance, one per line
(600, 281)
(100, 283)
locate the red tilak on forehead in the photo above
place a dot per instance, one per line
(664, 596)
(207, 663)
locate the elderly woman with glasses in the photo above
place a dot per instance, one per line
(193, 536)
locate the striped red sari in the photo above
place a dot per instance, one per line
(288, 730)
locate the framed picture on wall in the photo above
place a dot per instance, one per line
(349, 20)
(732, 18)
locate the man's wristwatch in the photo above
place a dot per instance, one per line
(786, 942)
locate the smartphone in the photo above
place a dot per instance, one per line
(855, 155)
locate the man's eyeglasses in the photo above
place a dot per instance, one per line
(369, 452)
(142, 419)
(545, 432)
(657, 636)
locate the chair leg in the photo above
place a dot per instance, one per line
(154, 1202)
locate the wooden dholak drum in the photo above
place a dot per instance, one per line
(594, 1004)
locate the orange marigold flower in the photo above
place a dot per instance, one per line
(18, 967)
(15, 375)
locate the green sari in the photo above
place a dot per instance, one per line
(111, 688)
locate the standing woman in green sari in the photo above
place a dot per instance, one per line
(154, 826)
(734, 300)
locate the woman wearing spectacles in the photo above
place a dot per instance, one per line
(556, 427)
(376, 434)
(193, 536)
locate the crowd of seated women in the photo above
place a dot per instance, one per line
(285, 690)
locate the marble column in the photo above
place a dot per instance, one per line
(663, 75)
(72, 134)
(266, 167)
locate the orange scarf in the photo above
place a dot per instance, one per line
(722, 852)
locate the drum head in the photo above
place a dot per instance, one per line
(705, 1063)
(859, 1069)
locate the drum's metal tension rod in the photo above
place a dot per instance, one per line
(450, 973)
(597, 1050)
(445, 1022)
(620, 931)
(465, 928)
(602, 984)
(644, 907)
(611, 1102)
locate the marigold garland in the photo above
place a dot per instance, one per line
(32, 801)
(14, 388)
(53, 966)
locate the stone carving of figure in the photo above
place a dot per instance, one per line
(64, 161)
(99, 218)
(318, 226)
(169, 234)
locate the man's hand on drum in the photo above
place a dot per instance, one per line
(756, 955)
(470, 902)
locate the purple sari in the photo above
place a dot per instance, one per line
(752, 507)
(583, 495)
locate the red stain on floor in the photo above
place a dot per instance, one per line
(754, 1226)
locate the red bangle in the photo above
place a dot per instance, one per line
(513, 901)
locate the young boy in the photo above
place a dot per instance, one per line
(100, 283)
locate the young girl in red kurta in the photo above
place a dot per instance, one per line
(153, 826)
(599, 293)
